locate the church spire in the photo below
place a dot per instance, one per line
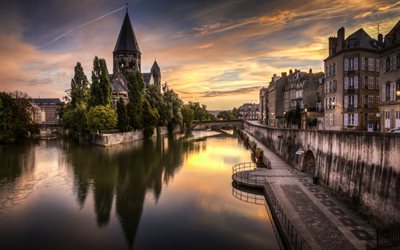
(127, 40)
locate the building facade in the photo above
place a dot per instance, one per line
(390, 79)
(46, 110)
(274, 91)
(249, 111)
(263, 105)
(127, 58)
(351, 95)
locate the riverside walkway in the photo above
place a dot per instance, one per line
(318, 218)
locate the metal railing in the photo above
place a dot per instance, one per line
(248, 197)
(293, 238)
(388, 238)
(243, 172)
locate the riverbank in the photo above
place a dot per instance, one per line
(322, 221)
(107, 140)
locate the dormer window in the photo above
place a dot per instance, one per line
(353, 43)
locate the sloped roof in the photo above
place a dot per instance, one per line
(155, 69)
(46, 101)
(363, 40)
(126, 39)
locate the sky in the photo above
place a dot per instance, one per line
(216, 52)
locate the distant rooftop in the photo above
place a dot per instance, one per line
(46, 101)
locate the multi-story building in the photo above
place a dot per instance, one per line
(301, 90)
(390, 79)
(46, 110)
(351, 80)
(249, 111)
(275, 98)
(263, 105)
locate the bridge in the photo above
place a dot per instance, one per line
(47, 130)
(218, 124)
(362, 167)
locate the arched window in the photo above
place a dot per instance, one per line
(387, 64)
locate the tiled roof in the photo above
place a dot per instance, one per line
(126, 39)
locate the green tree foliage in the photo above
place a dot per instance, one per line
(15, 116)
(100, 90)
(156, 100)
(172, 108)
(123, 119)
(150, 118)
(79, 87)
(235, 113)
(75, 118)
(136, 97)
(187, 116)
(226, 115)
(200, 111)
(101, 118)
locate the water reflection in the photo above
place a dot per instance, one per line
(155, 194)
(128, 171)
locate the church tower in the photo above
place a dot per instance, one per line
(126, 53)
(156, 73)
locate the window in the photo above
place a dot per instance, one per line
(387, 64)
(331, 121)
(350, 119)
(334, 68)
(398, 90)
(371, 64)
(398, 62)
(371, 101)
(371, 83)
(397, 121)
(387, 118)
(353, 43)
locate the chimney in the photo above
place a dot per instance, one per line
(283, 74)
(310, 71)
(290, 71)
(332, 46)
(380, 39)
(340, 39)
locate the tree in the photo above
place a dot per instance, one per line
(79, 87)
(235, 113)
(156, 100)
(102, 118)
(226, 115)
(100, 90)
(150, 118)
(200, 111)
(15, 117)
(172, 108)
(187, 116)
(136, 97)
(75, 119)
(123, 119)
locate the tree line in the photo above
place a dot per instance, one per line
(90, 105)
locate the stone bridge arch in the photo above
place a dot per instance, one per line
(309, 163)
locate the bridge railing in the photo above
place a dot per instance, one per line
(286, 227)
(242, 172)
(388, 238)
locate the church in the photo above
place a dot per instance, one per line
(127, 58)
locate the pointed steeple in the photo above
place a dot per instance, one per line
(127, 40)
(155, 69)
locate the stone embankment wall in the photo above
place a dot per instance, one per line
(106, 140)
(363, 168)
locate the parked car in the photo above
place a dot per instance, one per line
(395, 130)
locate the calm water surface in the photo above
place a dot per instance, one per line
(160, 194)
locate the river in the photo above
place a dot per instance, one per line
(155, 194)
